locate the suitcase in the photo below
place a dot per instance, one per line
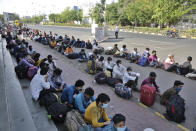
(147, 95)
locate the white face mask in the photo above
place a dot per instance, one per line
(121, 129)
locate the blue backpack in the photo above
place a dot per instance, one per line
(143, 61)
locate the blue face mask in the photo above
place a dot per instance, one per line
(178, 89)
(121, 129)
(104, 106)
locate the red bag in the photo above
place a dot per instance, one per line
(147, 95)
(31, 72)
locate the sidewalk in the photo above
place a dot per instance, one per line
(138, 118)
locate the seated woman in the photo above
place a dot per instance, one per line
(57, 81)
(170, 64)
(82, 56)
(68, 50)
(144, 58)
(100, 63)
(153, 60)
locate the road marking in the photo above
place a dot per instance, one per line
(142, 105)
(160, 115)
(182, 127)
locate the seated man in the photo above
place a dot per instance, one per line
(129, 75)
(52, 66)
(118, 70)
(57, 81)
(89, 45)
(134, 56)
(118, 124)
(171, 92)
(109, 64)
(83, 99)
(82, 56)
(69, 92)
(124, 51)
(151, 80)
(115, 49)
(96, 112)
(100, 63)
(69, 50)
(39, 82)
(186, 67)
(30, 50)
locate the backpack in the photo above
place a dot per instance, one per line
(175, 109)
(142, 61)
(58, 112)
(74, 121)
(47, 99)
(21, 71)
(72, 56)
(92, 67)
(123, 91)
(112, 82)
(32, 71)
(101, 78)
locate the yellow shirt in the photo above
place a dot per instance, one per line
(93, 114)
(69, 50)
(53, 43)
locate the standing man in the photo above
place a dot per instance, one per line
(116, 31)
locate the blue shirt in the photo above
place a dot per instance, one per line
(111, 127)
(81, 103)
(67, 95)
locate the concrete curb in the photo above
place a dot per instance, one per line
(19, 114)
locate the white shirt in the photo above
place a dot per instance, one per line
(117, 29)
(118, 71)
(130, 76)
(108, 65)
(100, 63)
(168, 61)
(122, 51)
(51, 66)
(37, 84)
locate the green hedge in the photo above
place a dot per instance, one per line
(68, 24)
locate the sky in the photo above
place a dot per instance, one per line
(36, 7)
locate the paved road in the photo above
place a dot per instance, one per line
(165, 79)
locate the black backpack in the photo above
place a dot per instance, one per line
(48, 99)
(21, 71)
(58, 112)
(175, 109)
(73, 56)
(101, 78)
(112, 82)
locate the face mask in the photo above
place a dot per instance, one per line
(104, 106)
(121, 129)
(178, 89)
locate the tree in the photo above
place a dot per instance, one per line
(140, 12)
(98, 12)
(112, 15)
(170, 11)
(52, 17)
